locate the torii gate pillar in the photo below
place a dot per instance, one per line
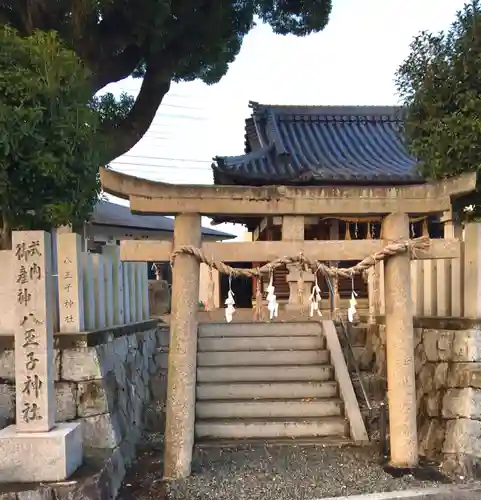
(180, 410)
(400, 347)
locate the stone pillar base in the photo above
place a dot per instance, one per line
(28, 457)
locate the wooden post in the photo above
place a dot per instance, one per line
(180, 411)
(400, 348)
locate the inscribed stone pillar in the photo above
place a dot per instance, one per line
(180, 411)
(293, 230)
(34, 361)
(35, 449)
(70, 282)
(400, 347)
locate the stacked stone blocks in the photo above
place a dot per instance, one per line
(114, 388)
(448, 388)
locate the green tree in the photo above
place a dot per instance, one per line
(440, 86)
(49, 148)
(159, 40)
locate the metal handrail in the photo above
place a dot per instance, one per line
(356, 365)
(346, 335)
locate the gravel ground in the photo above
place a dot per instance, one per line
(257, 472)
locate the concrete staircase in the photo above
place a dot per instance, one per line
(267, 381)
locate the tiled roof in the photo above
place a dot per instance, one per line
(111, 214)
(320, 144)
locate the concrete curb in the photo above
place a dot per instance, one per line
(471, 492)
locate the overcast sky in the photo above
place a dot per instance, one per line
(353, 61)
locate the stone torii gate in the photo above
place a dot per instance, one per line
(189, 202)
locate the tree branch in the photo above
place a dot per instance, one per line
(122, 137)
(116, 68)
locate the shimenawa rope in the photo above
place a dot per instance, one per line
(389, 250)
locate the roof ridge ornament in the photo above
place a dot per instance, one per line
(274, 135)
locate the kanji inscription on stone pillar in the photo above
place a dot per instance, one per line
(34, 362)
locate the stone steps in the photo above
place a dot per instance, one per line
(336, 441)
(272, 428)
(262, 358)
(280, 343)
(298, 373)
(267, 390)
(268, 381)
(269, 408)
(302, 329)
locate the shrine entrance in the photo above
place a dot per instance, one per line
(304, 259)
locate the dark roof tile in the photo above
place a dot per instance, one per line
(321, 144)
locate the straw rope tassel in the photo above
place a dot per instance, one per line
(258, 310)
(369, 233)
(348, 232)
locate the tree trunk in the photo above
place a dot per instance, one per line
(124, 136)
(5, 234)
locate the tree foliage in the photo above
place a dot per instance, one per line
(159, 40)
(440, 86)
(49, 147)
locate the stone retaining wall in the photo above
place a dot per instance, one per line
(448, 389)
(113, 382)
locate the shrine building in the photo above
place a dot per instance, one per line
(343, 146)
